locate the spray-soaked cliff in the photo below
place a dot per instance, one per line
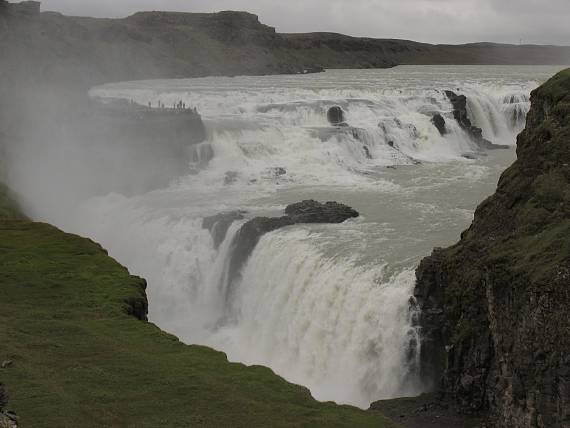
(495, 306)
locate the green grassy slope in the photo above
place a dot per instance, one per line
(81, 360)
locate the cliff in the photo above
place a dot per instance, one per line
(496, 331)
(87, 51)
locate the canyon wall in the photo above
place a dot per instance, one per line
(495, 305)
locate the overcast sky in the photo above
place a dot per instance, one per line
(435, 21)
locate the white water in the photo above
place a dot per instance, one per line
(325, 306)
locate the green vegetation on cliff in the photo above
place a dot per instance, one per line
(81, 358)
(495, 305)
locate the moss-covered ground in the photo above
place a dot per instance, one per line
(80, 358)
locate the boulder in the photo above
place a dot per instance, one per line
(439, 122)
(335, 116)
(311, 211)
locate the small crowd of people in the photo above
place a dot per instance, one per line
(180, 105)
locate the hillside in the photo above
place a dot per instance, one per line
(495, 305)
(87, 51)
(76, 350)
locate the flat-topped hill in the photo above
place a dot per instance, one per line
(146, 45)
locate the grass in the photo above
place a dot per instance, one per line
(81, 359)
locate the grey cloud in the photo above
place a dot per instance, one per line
(435, 21)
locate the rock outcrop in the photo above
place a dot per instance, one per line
(309, 211)
(459, 103)
(335, 116)
(219, 224)
(496, 331)
(439, 122)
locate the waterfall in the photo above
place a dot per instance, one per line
(342, 329)
(325, 306)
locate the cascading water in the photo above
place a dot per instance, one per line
(326, 306)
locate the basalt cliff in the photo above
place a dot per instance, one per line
(496, 331)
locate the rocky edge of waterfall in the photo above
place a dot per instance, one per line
(494, 307)
(249, 234)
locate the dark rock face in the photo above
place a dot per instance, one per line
(495, 306)
(302, 212)
(315, 212)
(335, 116)
(219, 224)
(439, 122)
(3, 397)
(459, 103)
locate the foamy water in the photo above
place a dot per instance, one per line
(326, 306)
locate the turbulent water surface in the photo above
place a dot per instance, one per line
(326, 306)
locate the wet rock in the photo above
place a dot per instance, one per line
(311, 211)
(219, 224)
(367, 152)
(308, 211)
(335, 116)
(459, 104)
(439, 122)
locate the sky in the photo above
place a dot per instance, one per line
(432, 21)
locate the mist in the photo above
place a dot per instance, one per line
(71, 147)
